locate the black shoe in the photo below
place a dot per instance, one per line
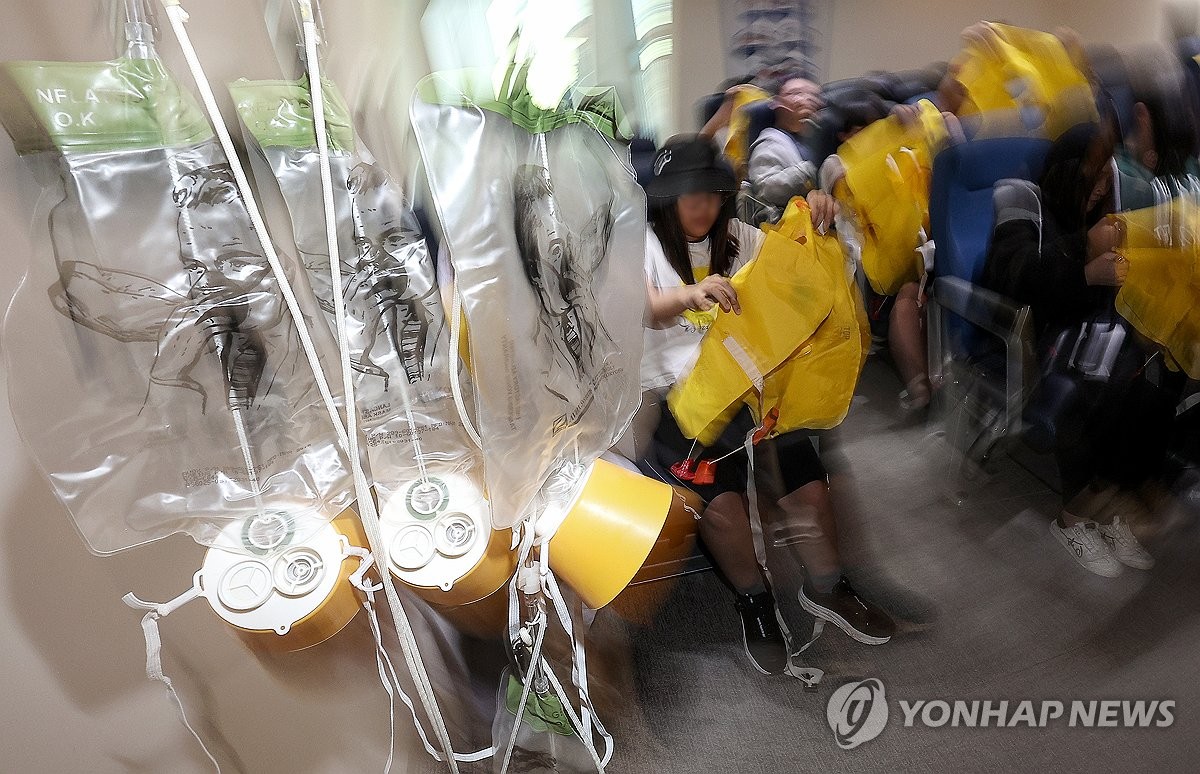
(844, 608)
(761, 636)
(901, 602)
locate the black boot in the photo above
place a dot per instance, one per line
(761, 636)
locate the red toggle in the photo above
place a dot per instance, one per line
(684, 470)
(768, 424)
(706, 473)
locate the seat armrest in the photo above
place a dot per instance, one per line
(995, 313)
(998, 315)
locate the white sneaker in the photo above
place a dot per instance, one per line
(1084, 542)
(1124, 546)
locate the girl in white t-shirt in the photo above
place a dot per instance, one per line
(693, 247)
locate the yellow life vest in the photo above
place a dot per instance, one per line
(798, 345)
(1023, 78)
(737, 144)
(888, 168)
(814, 388)
(1161, 293)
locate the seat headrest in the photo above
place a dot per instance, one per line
(977, 165)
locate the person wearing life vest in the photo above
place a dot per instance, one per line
(784, 160)
(694, 246)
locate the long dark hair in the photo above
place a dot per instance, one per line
(1157, 80)
(723, 246)
(1065, 186)
(1172, 130)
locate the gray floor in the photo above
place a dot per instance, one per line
(989, 608)
(1002, 613)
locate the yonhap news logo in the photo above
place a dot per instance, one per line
(858, 712)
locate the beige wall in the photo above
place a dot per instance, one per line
(1122, 24)
(897, 34)
(697, 58)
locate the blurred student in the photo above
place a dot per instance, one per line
(694, 246)
(1059, 259)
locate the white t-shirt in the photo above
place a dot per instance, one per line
(670, 351)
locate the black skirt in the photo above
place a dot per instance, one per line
(782, 464)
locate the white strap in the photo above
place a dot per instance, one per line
(587, 712)
(370, 520)
(389, 678)
(744, 361)
(566, 702)
(581, 726)
(1162, 211)
(810, 676)
(154, 669)
(359, 581)
(928, 253)
(1040, 225)
(523, 536)
(1116, 183)
(380, 656)
(547, 587)
(362, 488)
(534, 664)
(1190, 191)
(178, 18)
(1187, 404)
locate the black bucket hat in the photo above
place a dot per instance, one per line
(689, 164)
